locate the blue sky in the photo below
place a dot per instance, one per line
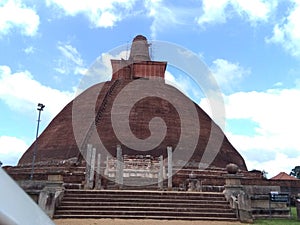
(251, 47)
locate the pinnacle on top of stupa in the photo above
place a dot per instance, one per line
(139, 49)
(139, 64)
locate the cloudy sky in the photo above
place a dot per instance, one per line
(251, 47)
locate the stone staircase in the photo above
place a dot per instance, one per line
(144, 205)
(98, 116)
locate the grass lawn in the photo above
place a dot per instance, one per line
(292, 221)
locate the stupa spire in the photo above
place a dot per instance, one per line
(139, 64)
(139, 49)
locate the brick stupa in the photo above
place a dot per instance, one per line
(58, 143)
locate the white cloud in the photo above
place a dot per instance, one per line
(227, 73)
(179, 82)
(280, 163)
(255, 10)
(163, 16)
(21, 92)
(275, 145)
(29, 50)
(168, 15)
(16, 15)
(170, 79)
(287, 32)
(213, 11)
(185, 85)
(11, 149)
(275, 109)
(99, 13)
(278, 84)
(106, 19)
(71, 53)
(219, 11)
(101, 69)
(70, 61)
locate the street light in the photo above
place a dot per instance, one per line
(39, 108)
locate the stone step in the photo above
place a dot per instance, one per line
(161, 195)
(97, 216)
(190, 201)
(145, 193)
(144, 209)
(143, 204)
(183, 197)
(146, 213)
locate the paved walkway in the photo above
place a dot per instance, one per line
(137, 222)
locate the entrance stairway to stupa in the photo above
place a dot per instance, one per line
(129, 204)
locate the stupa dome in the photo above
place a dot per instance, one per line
(59, 141)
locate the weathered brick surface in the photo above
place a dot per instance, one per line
(57, 142)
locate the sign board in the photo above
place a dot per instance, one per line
(279, 197)
(275, 196)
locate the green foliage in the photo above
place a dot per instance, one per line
(296, 172)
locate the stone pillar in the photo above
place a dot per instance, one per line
(119, 167)
(106, 166)
(98, 172)
(235, 195)
(92, 169)
(170, 167)
(161, 173)
(88, 165)
(244, 208)
(232, 186)
(50, 196)
(192, 182)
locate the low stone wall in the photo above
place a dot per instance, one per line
(50, 197)
(254, 201)
(32, 188)
(261, 205)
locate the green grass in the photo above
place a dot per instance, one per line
(291, 221)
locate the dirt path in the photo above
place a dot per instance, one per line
(137, 222)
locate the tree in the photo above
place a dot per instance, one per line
(296, 172)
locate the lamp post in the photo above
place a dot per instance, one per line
(39, 108)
